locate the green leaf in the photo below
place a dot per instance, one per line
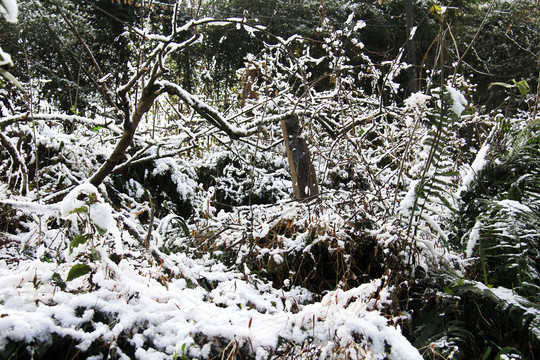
(92, 199)
(78, 271)
(182, 224)
(81, 210)
(448, 291)
(447, 204)
(507, 351)
(522, 86)
(100, 230)
(56, 280)
(450, 173)
(77, 240)
(184, 227)
(534, 141)
(96, 128)
(487, 353)
(95, 254)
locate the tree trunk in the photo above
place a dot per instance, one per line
(411, 48)
(302, 171)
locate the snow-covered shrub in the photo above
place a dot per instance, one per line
(238, 179)
(189, 243)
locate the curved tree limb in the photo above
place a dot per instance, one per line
(149, 94)
(204, 110)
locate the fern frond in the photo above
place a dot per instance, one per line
(432, 198)
(509, 235)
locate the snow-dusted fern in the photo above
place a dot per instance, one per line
(507, 233)
(430, 200)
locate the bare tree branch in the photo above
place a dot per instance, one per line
(149, 94)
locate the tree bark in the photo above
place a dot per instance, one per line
(302, 171)
(148, 96)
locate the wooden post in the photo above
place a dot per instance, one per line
(302, 172)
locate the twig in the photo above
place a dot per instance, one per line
(460, 60)
(151, 225)
(18, 162)
(134, 161)
(104, 89)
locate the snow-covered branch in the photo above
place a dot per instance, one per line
(204, 110)
(107, 123)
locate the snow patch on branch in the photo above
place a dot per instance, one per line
(417, 100)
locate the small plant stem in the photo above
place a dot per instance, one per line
(151, 225)
(535, 111)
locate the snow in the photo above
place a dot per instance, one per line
(413, 32)
(407, 203)
(172, 314)
(512, 205)
(52, 210)
(99, 212)
(239, 307)
(474, 236)
(478, 164)
(359, 25)
(458, 100)
(417, 100)
(5, 59)
(10, 10)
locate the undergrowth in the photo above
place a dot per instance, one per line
(423, 240)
